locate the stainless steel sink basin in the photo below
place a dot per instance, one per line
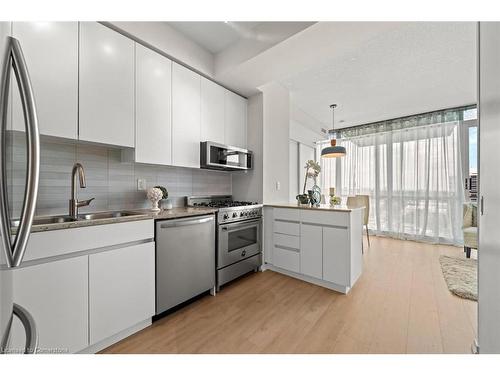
(47, 220)
(68, 219)
(107, 215)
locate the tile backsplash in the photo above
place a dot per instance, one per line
(110, 181)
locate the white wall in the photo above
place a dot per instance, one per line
(175, 44)
(248, 185)
(293, 177)
(302, 134)
(276, 134)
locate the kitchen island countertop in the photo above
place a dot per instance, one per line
(321, 207)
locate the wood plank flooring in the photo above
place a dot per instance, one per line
(399, 305)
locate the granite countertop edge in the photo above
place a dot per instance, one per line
(320, 208)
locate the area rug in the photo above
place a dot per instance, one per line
(460, 275)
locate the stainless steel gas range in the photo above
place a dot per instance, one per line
(239, 235)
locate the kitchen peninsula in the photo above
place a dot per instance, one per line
(321, 245)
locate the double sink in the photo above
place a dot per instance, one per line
(60, 219)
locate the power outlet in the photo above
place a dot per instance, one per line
(141, 184)
(278, 185)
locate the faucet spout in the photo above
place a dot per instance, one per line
(74, 204)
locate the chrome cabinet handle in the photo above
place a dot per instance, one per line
(14, 58)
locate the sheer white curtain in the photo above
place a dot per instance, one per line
(413, 176)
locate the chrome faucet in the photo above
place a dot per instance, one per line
(74, 204)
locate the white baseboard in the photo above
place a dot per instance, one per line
(309, 279)
(115, 338)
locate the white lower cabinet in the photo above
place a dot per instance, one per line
(288, 259)
(121, 290)
(336, 255)
(56, 294)
(311, 250)
(320, 246)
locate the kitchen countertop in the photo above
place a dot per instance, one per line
(142, 214)
(321, 207)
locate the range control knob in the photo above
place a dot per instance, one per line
(235, 214)
(225, 217)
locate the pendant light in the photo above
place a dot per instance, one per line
(333, 151)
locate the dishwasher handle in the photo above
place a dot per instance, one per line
(182, 223)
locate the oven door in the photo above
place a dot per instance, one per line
(238, 241)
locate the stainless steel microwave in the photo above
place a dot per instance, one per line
(222, 157)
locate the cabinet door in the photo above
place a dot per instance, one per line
(186, 111)
(212, 111)
(106, 86)
(336, 250)
(235, 120)
(311, 250)
(56, 294)
(51, 53)
(121, 289)
(153, 138)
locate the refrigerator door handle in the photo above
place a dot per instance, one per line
(31, 345)
(29, 327)
(14, 252)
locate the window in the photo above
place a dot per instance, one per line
(413, 171)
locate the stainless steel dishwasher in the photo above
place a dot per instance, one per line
(185, 259)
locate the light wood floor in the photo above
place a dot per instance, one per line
(399, 305)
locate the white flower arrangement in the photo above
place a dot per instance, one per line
(154, 195)
(312, 171)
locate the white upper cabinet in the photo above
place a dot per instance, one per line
(235, 120)
(106, 86)
(153, 137)
(212, 111)
(51, 53)
(186, 119)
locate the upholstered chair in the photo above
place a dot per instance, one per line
(361, 201)
(470, 228)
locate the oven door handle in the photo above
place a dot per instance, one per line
(238, 226)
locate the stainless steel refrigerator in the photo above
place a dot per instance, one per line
(15, 76)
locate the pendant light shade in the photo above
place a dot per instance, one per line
(333, 151)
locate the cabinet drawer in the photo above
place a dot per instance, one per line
(290, 214)
(286, 259)
(287, 241)
(286, 227)
(338, 219)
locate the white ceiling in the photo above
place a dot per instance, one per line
(413, 69)
(214, 36)
(218, 36)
